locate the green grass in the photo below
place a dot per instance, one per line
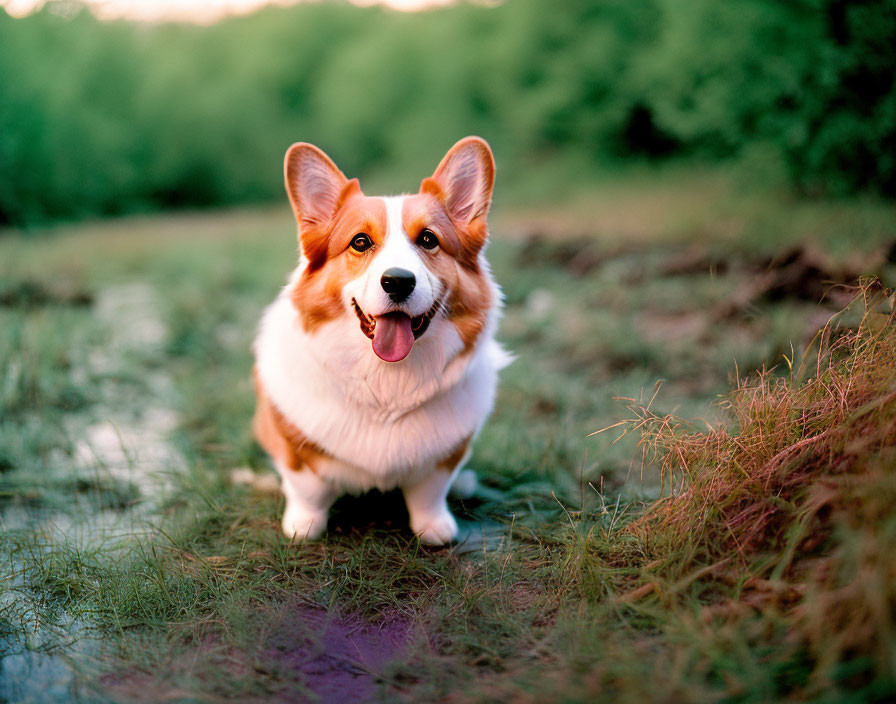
(177, 583)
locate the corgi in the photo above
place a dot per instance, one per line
(376, 365)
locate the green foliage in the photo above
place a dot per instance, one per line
(111, 117)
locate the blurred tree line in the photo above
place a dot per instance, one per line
(102, 118)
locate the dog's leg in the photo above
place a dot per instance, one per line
(308, 500)
(430, 518)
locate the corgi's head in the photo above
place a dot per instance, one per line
(398, 265)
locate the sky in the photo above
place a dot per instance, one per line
(201, 11)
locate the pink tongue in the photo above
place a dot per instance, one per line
(392, 337)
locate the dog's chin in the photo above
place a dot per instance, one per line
(393, 334)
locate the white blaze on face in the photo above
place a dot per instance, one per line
(396, 250)
(396, 322)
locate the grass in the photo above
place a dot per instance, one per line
(765, 574)
(787, 510)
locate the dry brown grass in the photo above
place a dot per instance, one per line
(789, 511)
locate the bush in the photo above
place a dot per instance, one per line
(102, 118)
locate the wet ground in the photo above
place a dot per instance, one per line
(98, 490)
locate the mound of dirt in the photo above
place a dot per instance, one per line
(31, 293)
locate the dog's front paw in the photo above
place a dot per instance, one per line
(301, 524)
(436, 529)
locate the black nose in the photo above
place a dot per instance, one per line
(398, 283)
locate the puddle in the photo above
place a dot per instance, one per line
(40, 667)
(134, 450)
(128, 441)
(101, 493)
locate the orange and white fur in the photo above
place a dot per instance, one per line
(376, 365)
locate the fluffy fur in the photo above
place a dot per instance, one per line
(334, 415)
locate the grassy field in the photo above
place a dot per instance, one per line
(136, 569)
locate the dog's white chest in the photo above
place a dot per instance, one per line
(381, 421)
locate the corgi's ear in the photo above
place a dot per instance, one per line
(315, 185)
(464, 180)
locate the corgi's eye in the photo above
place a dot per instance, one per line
(427, 239)
(361, 242)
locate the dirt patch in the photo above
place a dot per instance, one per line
(890, 254)
(660, 328)
(31, 293)
(338, 658)
(798, 274)
(693, 260)
(579, 255)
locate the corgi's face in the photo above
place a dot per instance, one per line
(398, 265)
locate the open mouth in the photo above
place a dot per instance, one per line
(394, 333)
